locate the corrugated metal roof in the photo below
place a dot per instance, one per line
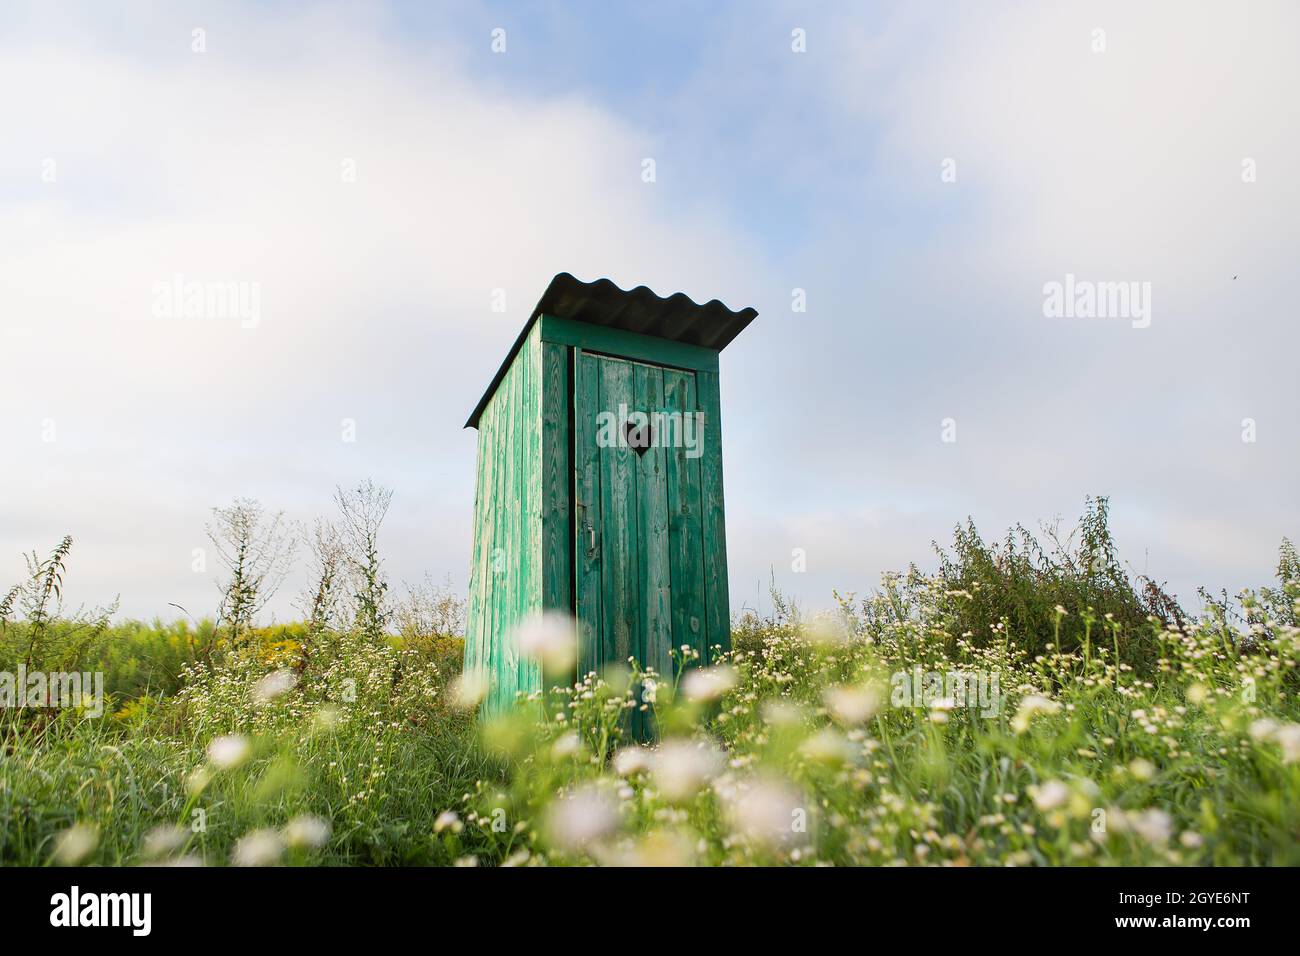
(677, 317)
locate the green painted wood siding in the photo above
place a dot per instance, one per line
(686, 526)
(506, 574)
(557, 479)
(717, 601)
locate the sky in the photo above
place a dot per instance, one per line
(893, 186)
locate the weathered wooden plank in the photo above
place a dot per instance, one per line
(685, 528)
(587, 513)
(656, 581)
(556, 486)
(618, 532)
(525, 524)
(502, 673)
(628, 345)
(717, 604)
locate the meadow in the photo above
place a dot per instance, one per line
(1027, 702)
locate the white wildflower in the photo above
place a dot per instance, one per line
(1050, 795)
(1288, 737)
(273, 685)
(257, 848)
(853, 705)
(767, 812)
(326, 719)
(630, 761)
(74, 844)
(682, 767)
(566, 746)
(228, 751)
(550, 637)
(582, 818)
(1142, 769)
(1030, 706)
(163, 840)
(1263, 729)
(708, 684)
(306, 831)
(448, 820)
(1154, 826)
(468, 690)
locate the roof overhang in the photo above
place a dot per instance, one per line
(677, 318)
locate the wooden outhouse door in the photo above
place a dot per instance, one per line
(638, 522)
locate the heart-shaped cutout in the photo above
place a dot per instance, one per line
(638, 439)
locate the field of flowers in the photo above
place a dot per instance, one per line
(887, 732)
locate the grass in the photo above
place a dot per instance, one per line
(1108, 728)
(146, 787)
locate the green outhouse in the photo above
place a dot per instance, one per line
(599, 484)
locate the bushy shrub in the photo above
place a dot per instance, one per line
(1070, 591)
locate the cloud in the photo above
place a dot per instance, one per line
(375, 294)
(925, 297)
(818, 171)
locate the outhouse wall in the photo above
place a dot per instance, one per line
(520, 558)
